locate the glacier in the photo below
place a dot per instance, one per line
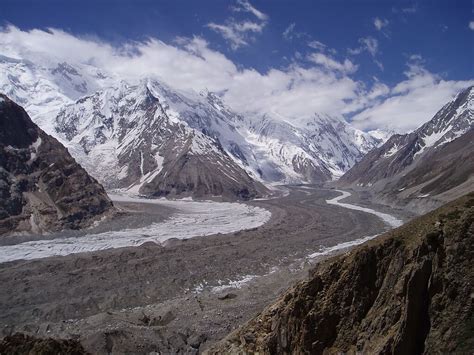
(192, 219)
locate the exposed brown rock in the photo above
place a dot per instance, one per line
(42, 188)
(407, 292)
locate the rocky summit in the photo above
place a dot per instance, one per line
(407, 292)
(42, 188)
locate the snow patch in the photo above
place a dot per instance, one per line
(34, 149)
(395, 148)
(234, 284)
(328, 250)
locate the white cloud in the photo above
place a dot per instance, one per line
(380, 23)
(471, 25)
(296, 91)
(410, 9)
(244, 5)
(379, 64)
(191, 65)
(411, 102)
(331, 64)
(369, 44)
(239, 33)
(406, 10)
(290, 33)
(317, 45)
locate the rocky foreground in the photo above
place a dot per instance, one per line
(24, 344)
(42, 188)
(407, 292)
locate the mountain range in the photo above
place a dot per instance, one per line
(424, 168)
(148, 138)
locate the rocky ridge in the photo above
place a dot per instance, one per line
(408, 291)
(42, 188)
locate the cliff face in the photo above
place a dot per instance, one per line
(42, 188)
(407, 292)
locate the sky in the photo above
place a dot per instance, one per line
(381, 64)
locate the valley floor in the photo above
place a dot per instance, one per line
(184, 294)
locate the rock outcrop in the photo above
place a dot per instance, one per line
(42, 188)
(19, 344)
(409, 291)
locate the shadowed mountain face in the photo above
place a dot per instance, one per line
(42, 188)
(406, 292)
(427, 167)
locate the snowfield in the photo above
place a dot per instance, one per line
(193, 219)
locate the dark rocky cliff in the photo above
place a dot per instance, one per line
(409, 291)
(42, 188)
(19, 344)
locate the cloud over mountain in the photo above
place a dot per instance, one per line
(324, 83)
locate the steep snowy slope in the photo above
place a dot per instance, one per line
(129, 137)
(435, 162)
(45, 86)
(311, 150)
(382, 135)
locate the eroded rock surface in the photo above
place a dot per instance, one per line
(407, 292)
(42, 188)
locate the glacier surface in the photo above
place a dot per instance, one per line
(193, 219)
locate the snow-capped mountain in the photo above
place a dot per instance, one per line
(129, 136)
(317, 149)
(437, 158)
(47, 85)
(268, 150)
(135, 133)
(381, 135)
